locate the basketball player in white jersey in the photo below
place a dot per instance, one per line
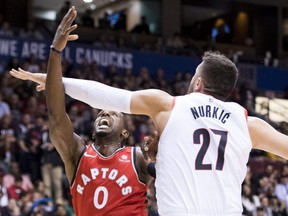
(204, 141)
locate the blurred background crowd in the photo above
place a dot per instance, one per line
(32, 177)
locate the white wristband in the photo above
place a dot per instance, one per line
(98, 95)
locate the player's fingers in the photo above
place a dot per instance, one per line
(73, 37)
(40, 87)
(146, 143)
(156, 134)
(21, 70)
(144, 152)
(68, 20)
(15, 73)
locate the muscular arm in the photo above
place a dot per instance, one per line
(142, 166)
(155, 103)
(68, 144)
(265, 137)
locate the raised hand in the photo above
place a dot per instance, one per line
(62, 35)
(150, 147)
(21, 74)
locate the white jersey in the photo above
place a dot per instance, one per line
(202, 157)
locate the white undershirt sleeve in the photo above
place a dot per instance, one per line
(98, 95)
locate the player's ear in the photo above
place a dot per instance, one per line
(199, 85)
(93, 137)
(125, 134)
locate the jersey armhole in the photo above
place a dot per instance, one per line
(246, 114)
(135, 165)
(77, 166)
(173, 102)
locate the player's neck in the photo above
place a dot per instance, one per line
(107, 149)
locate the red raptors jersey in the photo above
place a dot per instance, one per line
(108, 186)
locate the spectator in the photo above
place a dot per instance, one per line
(104, 23)
(142, 27)
(15, 107)
(9, 134)
(250, 202)
(52, 167)
(4, 200)
(9, 178)
(4, 107)
(278, 207)
(120, 25)
(87, 20)
(63, 10)
(15, 191)
(31, 31)
(267, 209)
(6, 30)
(175, 44)
(260, 211)
(33, 143)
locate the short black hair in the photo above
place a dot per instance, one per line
(219, 74)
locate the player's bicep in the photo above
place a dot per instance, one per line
(150, 102)
(266, 138)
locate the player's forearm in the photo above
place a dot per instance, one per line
(98, 95)
(55, 95)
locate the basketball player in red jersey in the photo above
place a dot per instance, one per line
(106, 178)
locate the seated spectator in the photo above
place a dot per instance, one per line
(41, 205)
(4, 107)
(6, 30)
(9, 178)
(31, 32)
(15, 191)
(175, 44)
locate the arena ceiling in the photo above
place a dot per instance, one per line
(48, 8)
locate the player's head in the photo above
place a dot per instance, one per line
(216, 75)
(111, 126)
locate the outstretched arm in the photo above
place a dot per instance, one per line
(68, 144)
(265, 137)
(154, 103)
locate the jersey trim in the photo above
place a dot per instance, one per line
(77, 166)
(246, 113)
(134, 164)
(106, 157)
(173, 102)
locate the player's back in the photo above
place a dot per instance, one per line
(202, 157)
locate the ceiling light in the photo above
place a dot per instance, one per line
(88, 1)
(92, 6)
